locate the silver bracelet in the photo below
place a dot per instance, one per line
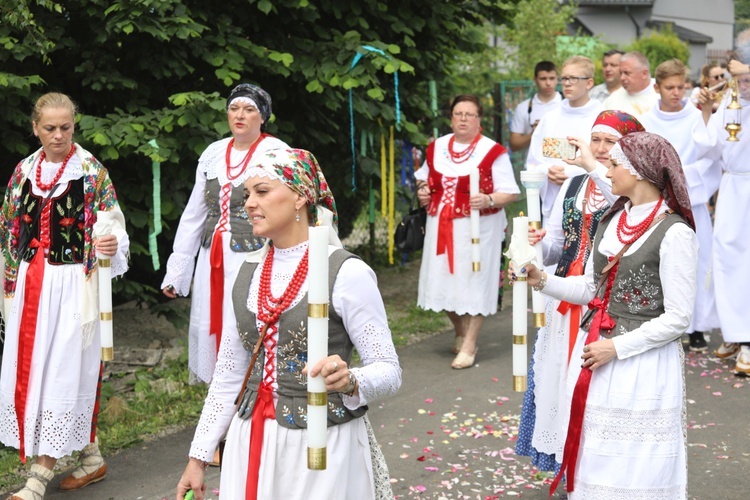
(352, 385)
(542, 282)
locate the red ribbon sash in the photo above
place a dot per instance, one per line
(601, 321)
(575, 320)
(26, 336)
(216, 259)
(445, 235)
(262, 410)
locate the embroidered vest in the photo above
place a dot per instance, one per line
(461, 206)
(66, 222)
(573, 225)
(241, 230)
(291, 352)
(637, 294)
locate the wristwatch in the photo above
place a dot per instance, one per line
(492, 201)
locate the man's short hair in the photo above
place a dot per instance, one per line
(611, 53)
(544, 66)
(584, 62)
(639, 58)
(670, 68)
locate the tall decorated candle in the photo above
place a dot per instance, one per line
(520, 254)
(533, 182)
(475, 250)
(103, 227)
(317, 346)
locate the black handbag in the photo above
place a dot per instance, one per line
(409, 235)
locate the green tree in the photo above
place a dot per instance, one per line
(533, 33)
(659, 46)
(161, 69)
(741, 15)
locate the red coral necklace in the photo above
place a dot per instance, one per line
(466, 153)
(270, 307)
(244, 161)
(47, 187)
(627, 234)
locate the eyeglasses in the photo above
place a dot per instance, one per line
(468, 116)
(572, 79)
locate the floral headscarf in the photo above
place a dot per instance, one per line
(617, 123)
(260, 98)
(299, 170)
(651, 157)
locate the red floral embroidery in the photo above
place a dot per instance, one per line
(67, 221)
(27, 218)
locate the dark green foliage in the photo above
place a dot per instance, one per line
(161, 69)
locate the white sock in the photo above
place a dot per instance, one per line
(91, 460)
(36, 485)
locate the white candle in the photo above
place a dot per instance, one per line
(475, 251)
(105, 309)
(103, 227)
(317, 346)
(521, 232)
(533, 182)
(520, 306)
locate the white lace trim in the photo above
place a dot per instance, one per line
(57, 433)
(618, 155)
(179, 273)
(661, 425)
(605, 129)
(380, 474)
(213, 160)
(589, 491)
(73, 171)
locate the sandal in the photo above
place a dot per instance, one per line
(464, 360)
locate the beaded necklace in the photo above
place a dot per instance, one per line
(244, 161)
(270, 307)
(47, 187)
(466, 153)
(627, 234)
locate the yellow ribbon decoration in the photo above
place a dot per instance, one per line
(391, 199)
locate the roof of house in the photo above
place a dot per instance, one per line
(682, 33)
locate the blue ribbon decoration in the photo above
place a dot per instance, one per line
(355, 60)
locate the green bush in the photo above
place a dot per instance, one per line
(660, 46)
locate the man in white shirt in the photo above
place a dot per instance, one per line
(674, 119)
(529, 112)
(637, 95)
(611, 72)
(573, 117)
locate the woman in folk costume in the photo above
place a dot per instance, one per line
(626, 431)
(566, 243)
(52, 361)
(215, 226)
(266, 435)
(447, 281)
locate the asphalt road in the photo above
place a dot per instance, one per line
(450, 434)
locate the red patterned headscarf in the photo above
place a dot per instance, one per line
(617, 123)
(299, 170)
(654, 159)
